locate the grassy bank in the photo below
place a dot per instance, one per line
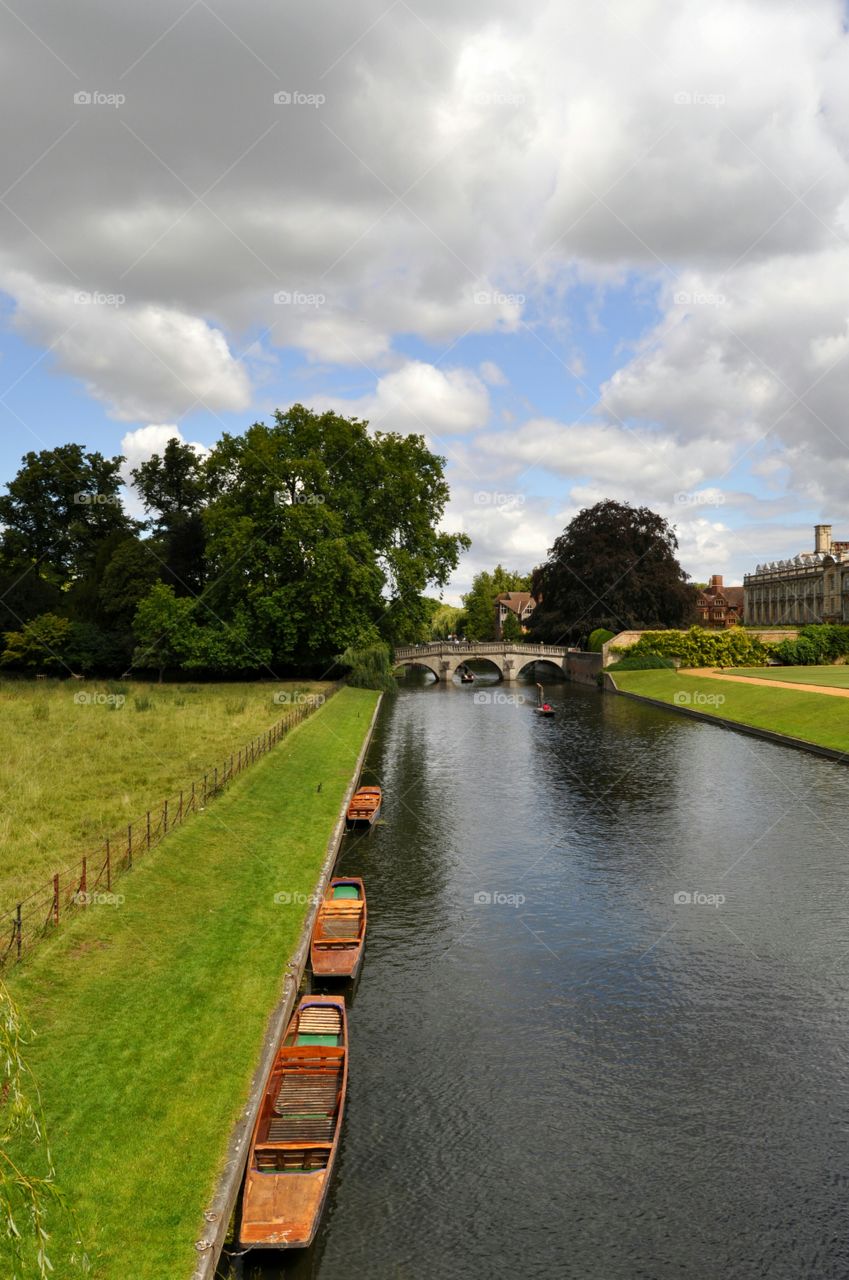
(80, 761)
(817, 718)
(150, 1014)
(831, 677)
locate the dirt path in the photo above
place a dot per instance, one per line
(773, 684)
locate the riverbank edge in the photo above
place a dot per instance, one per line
(223, 1201)
(767, 735)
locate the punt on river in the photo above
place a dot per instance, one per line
(339, 934)
(364, 808)
(297, 1131)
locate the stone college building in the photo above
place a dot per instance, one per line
(812, 587)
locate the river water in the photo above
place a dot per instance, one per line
(557, 1069)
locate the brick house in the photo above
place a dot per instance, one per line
(718, 605)
(520, 603)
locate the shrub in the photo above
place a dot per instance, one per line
(698, 647)
(820, 642)
(369, 668)
(598, 638)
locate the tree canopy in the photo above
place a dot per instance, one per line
(283, 547)
(614, 566)
(479, 602)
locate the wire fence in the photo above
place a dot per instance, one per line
(90, 881)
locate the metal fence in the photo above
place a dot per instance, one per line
(89, 881)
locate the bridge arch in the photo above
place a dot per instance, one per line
(552, 665)
(423, 664)
(492, 664)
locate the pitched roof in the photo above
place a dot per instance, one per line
(515, 600)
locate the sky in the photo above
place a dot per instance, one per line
(589, 251)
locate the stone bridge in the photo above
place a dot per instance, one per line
(443, 657)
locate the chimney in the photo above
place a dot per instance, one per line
(822, 538)
(716, 584)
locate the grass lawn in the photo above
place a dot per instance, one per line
(833, 677)
(77, 771)
(815, 717)
(150, 1014)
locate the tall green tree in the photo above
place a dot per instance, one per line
(163, 627)
(613, 566)
(323, 535)
(60, 507)
(479, 602)
(173, 488)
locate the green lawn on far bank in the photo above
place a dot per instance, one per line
(818, 718)
(833, 677)
(150, 1014)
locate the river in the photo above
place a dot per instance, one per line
(557, 1069)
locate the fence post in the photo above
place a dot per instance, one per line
(84, 880)
(192, 800)
(108, 866)
(18, 929)
(231, 766)
(148, 828)
(204, 788)
(56, 899)
(165, 817)
(215, 787)
(129, 846)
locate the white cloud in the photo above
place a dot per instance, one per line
(142, 362)
(492, 374)
(420, 398)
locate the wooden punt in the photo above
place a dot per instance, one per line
(296, 1135)
(339, 934)
(364, 808)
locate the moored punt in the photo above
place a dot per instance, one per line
(364, 808)
(296, 1135)
(338, 938)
